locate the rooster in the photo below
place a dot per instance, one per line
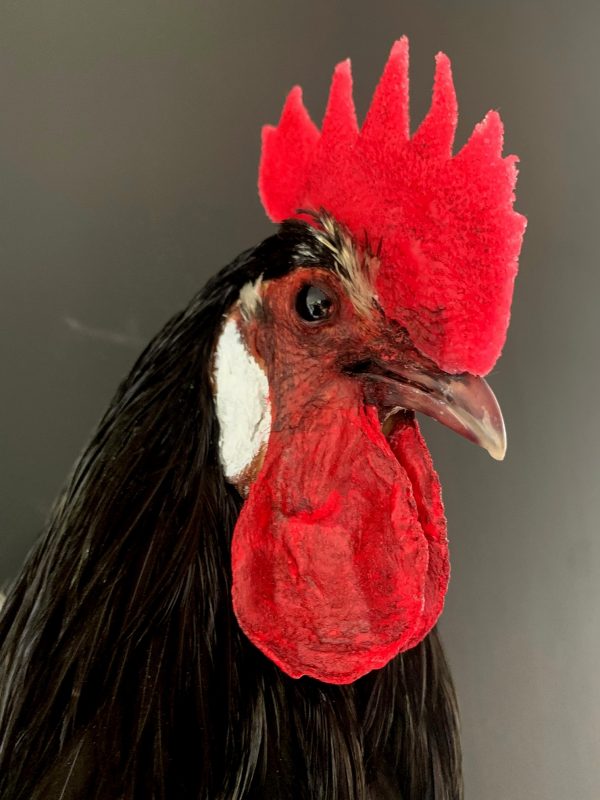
(237, 591)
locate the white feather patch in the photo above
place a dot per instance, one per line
(242, 403)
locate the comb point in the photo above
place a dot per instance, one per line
(339, 122)
(294, 113)
(486, 141)
(388, 115)
(286, 154)
(436, 132)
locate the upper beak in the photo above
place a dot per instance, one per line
(464, 403)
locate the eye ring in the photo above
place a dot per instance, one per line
(313, 304)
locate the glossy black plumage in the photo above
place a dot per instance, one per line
(124, 672)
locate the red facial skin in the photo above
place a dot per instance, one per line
(339, 555)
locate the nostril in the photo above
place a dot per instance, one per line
(360, 367)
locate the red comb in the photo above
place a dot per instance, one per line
(447, 234)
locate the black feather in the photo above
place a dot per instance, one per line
(123, 672)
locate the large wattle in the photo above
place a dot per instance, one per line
(339, 555)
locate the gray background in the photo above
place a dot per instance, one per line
(129, 139)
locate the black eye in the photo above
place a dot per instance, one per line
(312, 304)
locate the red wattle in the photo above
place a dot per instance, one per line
(339, 555)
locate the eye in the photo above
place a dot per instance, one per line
(313, 304)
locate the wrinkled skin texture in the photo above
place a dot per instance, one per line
(339, 555)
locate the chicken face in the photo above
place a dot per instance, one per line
(339, 555)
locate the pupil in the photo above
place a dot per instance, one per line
(313, 304)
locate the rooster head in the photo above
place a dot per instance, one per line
(395, 299)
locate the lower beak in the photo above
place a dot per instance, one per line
(463, 403)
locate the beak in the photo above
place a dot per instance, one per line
(463, 403)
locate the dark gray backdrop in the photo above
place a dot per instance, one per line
(129, 139)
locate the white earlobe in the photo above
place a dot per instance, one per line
(242, 403)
